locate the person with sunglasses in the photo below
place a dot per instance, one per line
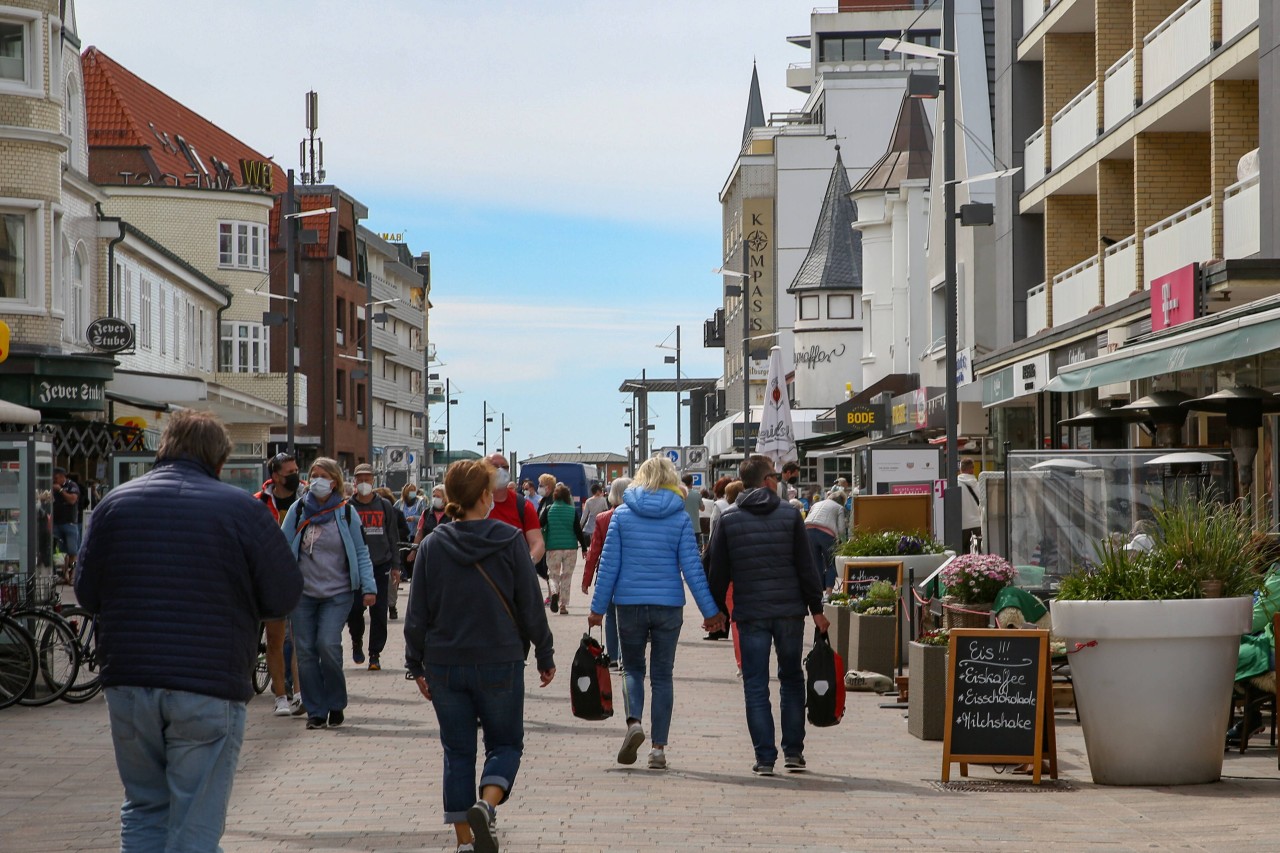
(278, 494)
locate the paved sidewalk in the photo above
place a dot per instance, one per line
(374, 784)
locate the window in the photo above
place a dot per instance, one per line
(858, 47)
(340, 395)
(177, 328)
(203, 336)
(17, 255)
(15, 49)
(808, 307)
(190, 334)
(242, 245)
(125, 283)
(340, 323)
(144, 313)
(244, 347)
(61, 277)
(839, 307)
(79, 312)
(164, 331)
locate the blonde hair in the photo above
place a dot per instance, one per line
(331, 470)
(548, 480)
(657, 472)
(466, 481)
(732, 491)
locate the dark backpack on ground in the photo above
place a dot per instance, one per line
(824, 684)
(590, 690)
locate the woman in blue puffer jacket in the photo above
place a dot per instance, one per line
(649, 546)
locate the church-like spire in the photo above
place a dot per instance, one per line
(910, 154)
(834, 261)
(755, 107)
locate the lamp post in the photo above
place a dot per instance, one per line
(449, 402)
(741, 291)
(631, 435)
(675, 359)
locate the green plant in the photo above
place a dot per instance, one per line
(839, 599)
(888, 543)
(973, 578)
(881, 592)
(1194, 541)
(936, 637)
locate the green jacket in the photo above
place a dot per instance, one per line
(561, 527)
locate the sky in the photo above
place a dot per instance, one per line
(561, 161)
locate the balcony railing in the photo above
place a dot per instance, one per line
(1175, 47)
(1238, 16)
(344, 266)
(1241, 230)
(1184, 238)
(1117, 94)
(1120, 269)
(1075, 291)
(1033, 158)
(1037, 309)
(1075, 126)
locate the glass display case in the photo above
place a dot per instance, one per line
(26, 526)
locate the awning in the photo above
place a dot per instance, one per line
(845, 449)
(1234, 337)
(137, 402)
(12, 413)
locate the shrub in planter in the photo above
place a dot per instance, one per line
(888, 543)
(872, 639)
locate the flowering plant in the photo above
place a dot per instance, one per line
(936, 637)
(974, 578)
(888, 543)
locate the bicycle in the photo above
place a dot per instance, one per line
(18, 665)
(261, 676)
(33, 607)
(88, 682)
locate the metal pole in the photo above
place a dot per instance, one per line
(503, 436)
(746, 346)
(679, 442)
(291, 292)
(448, 430)
(484, 425)
(951, 500)
(642, 435)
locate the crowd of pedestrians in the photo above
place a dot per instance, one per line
(305, 557)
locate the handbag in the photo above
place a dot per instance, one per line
(824, 683)
(506, 605)
(590, 689)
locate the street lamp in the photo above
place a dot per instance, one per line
(675, 359)
(740, 290)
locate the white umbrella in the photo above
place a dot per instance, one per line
(777, 438)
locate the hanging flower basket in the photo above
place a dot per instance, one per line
(965, 615)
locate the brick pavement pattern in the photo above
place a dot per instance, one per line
(374, 784)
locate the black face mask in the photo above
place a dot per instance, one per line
(291, 481)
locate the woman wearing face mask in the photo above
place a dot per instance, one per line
(433, 515)
(324, 533)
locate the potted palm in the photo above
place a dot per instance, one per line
(1143, 621)
(871, 635)
(927, 684)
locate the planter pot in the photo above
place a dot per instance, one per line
(1155, 692)
(926, 690)
(968, 616)
(871, 643)
(838, 633)
(922, 564)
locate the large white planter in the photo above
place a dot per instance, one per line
(1154, 694)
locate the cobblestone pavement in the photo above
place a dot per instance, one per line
(374, 784)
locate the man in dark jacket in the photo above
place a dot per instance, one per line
(180, 569)
(760, 546)
(382, 535)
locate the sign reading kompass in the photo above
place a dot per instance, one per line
(110, 334)
(1173, 298)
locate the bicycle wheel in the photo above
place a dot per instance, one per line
(88, 681)
(18, 667)
(57, 654)
(261, 678)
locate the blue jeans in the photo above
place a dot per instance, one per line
(641, 625)
(611, 633)
(786, 635)
(461, 694)
(68, 537)
(176, 753)
(822, 544)
(317, 633)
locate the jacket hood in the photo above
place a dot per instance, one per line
(470, 542)
(759, 501)
(655, 504)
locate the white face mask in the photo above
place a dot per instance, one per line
(321, 487)
(364, 489)
(437, 503)
(411, 496)
(542, 490)
(504, 478)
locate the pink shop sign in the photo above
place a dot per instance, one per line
(1173, 298)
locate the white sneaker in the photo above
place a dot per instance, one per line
(295, 706)
(658, 759)
(631, 744)
(282, 707)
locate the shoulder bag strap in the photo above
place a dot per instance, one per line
(505, 604)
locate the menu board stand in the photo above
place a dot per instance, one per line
(999, 706)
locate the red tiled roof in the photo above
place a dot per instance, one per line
(319, 224)
(125, 111)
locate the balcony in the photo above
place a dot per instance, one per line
(800, 76)
(1032, 12)
(1117, 93)
(1172, 49)
(1037, 309)
(1075, 126)
(1120, 269)
(1033, 158)
(1178, 240)
(1238, 16)
(343, 265)
(1241, 231)
(1075, 291)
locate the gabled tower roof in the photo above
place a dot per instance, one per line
(755, 107)
(834, 261)
(910, 154)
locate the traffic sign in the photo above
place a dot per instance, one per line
(696, 455)
(675, 454)
(699, 479)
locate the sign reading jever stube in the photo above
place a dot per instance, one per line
(110, 334)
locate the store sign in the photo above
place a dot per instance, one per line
(256, 173)
(1074, 353)
(908, 412)
(109, 334)
(1025, 377)
(65, 394)
(1173, 298)
(964, 366)
(753, 434)
(867, 417)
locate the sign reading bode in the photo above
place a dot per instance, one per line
(868, 417)
(110, 334)
(998, 701)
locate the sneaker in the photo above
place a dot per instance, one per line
(466, 848)
(794, 763)
(483, 821)
(374, 664)
(564, 611)
(335, 718)
(658, 759)
(357, 654)
(282, 707)
(555, 601)
(631, 744)
(392, 613)
(296, 708)
(762, 769)
(317, 723)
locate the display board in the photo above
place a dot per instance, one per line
(903, 513)
(858, 576)
(999, 702)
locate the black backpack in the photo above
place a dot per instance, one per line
(590, 690)
(824, 684)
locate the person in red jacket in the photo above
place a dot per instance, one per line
(593, 560)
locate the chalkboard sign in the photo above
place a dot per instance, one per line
(999, 708)
(858, 576)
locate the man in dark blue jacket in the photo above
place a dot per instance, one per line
(180, 569)
(760, 546)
